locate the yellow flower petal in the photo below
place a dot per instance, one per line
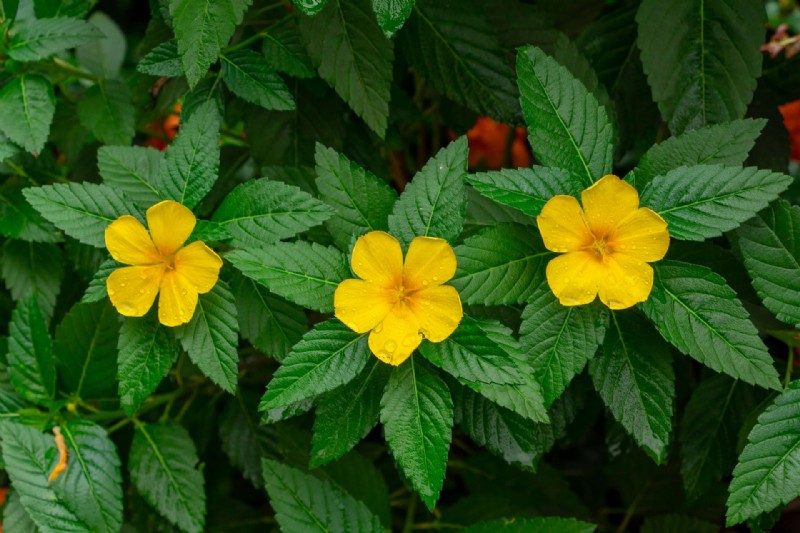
(377, 257)
(607, 203)
(573, 277)
(128, 242)
(642, 235)
(438, 310)
(361, 305)
(177, 301)
(563, 225)
(199, 265)
(429, 262)
(396, 337)
(133, 289)
(170, 225)
(625, 282)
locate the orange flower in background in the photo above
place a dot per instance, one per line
(166, 128)
(791, 119)
(488, 141)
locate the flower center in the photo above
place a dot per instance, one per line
(169, 261)
(600, 248)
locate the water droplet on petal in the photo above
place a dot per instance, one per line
(425, 282)
(390, 346)
(378, 328)
(435, 278)
(111, 292)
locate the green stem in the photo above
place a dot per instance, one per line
(787, 378)
(69, 68)
(412, 509)
(245, 42)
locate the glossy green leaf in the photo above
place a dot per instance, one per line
(27, 107)
(249, 75)
(132, 170)
(163, 60)
(285, 51)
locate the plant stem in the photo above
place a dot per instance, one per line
(787, 378)
(412, 509)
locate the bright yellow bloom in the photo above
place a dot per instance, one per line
(606, 245)
(400, 302)
(161, 264)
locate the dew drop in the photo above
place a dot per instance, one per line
(390, 346)
(125, 308)
(378, 328)
(141, 291)
(435, 278)
(425, 282)
(111, 292)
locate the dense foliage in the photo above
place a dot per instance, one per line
(243, 155)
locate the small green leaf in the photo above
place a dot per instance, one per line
(328, 356)
(417, 418)
(33, 268)
(704, 201)
(249, 75)
(345, 415)
(525, 189)
(35, 39)
(97, 289)
(561, 340)
(85, 348)
(769, 246)
(361, 200)
(305, 503)
(284, 50)
(567, 126)
(132, 170)
(163, 60)
(634, 377)
(304, 273)
(392, 14)
(81, 210)
(162, 467)
(434, 203)
(353, 56)
(501, 265)
(30, 353)
(766, 475)
(27, 107)
(695, 310)
(103, 57)
(262, 211)
(202, 29)
(211, 338)
(147, 351)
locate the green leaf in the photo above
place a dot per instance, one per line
(766, 475)
(454, 47)
(345, 415)
(103, 57)
(701, 59)
(392, 14)
(132, 170)
(15, 517)
(501, 265)
(304, 273)
(470, 355)
(434, 203)
(62, 8)
(30, 353)
(85, 348)
(92, 483)
(305, 503)
(353, 56)
(704, 201)
(33, 268)
(19, 220)
(211, 338)
(567, 126)
(81, 210)
(284, 50)
(361, 200)
(417, 418)
(721, 144)
(97, 289)
(35, 39)
(525, 189)
(262, 211)
(202, 29)
(634, 377)
(243, 440)
(360, 477)
(310, 7)
(163, 60)
(550, 524)
(559, 339)
(269, 322)
(694, 309)
(249, 75)
(768, 244)
(27, 107)
(709, 431)
(328, 356)
(29, 457)
(192, 162)
(147, 351)
(162, 467)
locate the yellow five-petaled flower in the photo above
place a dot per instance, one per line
(606, 245)
(399, 301)
(161, 263)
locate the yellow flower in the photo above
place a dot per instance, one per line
(161, 264)
(400, 302)
(606, 245)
